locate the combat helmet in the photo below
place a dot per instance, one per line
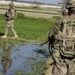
(71, 4)
(11, 4)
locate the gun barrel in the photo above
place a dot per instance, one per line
(44, 42)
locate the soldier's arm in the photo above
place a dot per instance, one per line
(13, 13)
(56, 27)
(67, 54)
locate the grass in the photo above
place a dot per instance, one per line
(38, 68)
(29, 28)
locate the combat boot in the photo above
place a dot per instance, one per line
(15, 36)
(5, 36)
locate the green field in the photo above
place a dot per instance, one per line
(29, 28)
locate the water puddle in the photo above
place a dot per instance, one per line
(22, 59)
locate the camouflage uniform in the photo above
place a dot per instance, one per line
(63, 47)
(10, 14)
(57, 33)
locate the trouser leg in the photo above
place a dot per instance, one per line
(6, 31)
(13, 31)
(71, 68)
(59, 69)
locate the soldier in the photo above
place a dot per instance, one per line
(10, 15)
(63, 50)
(57, 30)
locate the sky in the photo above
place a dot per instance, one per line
(46, 1)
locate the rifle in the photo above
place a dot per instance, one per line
(65, 4)
(6, 15)
(50, 42)
(44, 43)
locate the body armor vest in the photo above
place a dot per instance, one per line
(67, 46)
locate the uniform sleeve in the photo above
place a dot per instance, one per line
(13, 13)
(56, 28)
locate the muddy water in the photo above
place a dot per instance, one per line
(22, 59)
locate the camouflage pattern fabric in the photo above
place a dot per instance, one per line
(63, 49)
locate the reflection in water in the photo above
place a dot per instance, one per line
(22, 59)
(6, 60)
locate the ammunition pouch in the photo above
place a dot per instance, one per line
(67, 48)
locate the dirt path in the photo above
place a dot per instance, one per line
(17, 39)
(32, 14)
(37, 15)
